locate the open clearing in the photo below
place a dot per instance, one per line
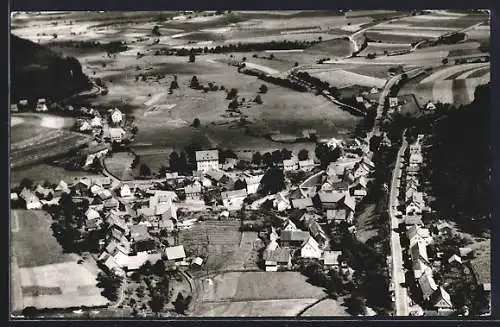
(342, 78)
(449, 71)
(45, 276)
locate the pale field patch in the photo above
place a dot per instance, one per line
(341, 78)
(448, 71)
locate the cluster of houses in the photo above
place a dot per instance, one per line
(40, 106)
(419, 238)
(110, 129)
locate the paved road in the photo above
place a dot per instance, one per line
(398, 273)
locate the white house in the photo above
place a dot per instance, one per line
(281, 203)
(125, 191)
(290, 164)
(207, 160)
(415, 204)
(416, 159)
(233, 200)
(393, 102)
(253, 182)
(306, 165)
(289, 225)
(85, 126)
(416, 233)
(32, 201)
(116, 134)
(310, 249)
(193, 191)
(41, 105)
(116, 116)
(430, 106)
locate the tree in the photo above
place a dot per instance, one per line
(144, 170)
(135, 162)
(277, 156)
(162, 171)
(26, 183)
(296, 64)
(258, 99)
(173, 161)
(156, 303)
(181, 304)
(272, 182)
(327, 154)
(303, 154)
(240, 185)
(233, 104)
(257, 158)
(110, 285)
(271, 56)
(320, 38)
(371, 55)
(174, 85)
(159, 268)
(156, 31)
(444, 61)
(194, 84)
(286, 154)
(232, 94)
(267, 159)
(192, 57)
(196, 123)
(356, 305)
(263, 88)
(244, 59)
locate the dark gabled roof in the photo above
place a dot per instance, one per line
(280, 255)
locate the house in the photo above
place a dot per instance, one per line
(444, 228)
(430, 106)
(62, 187)
(374, 90)
(419, 268)
(104, 194)
(359, 194)
(95, 189)
(167, 224)
(310, 249)
(253, 182)
(14, 196)
(31, 200)
(280, 258)
(359, 99)
(193, 191)
(427, 285)
(416, 233)
(14, 108)
(91, 214)
(289, 226)
(233, 200)
(330, 200)
(416, 159)
(139, 233)
(229, 163)
(175, 253)
(413, 220)
(317, 232)
(361, 169)
(116, 134)
(116, 116)
(125, 191)
(302, 203)
(41, 105)
(110, 203)
(137, 261)
(85, 126)
(290, 164)
(336, 215)
(306, 165)
(281, 203)
(217, 176)
(96, 122)
(393, 102)
(415, 204)
(207, 160)
(419, 251)
(293, 238)
(197, 261)
(455, 258)
(43, 192)
(331, 259)
(441, 300)
(94, 152)
(308, 133)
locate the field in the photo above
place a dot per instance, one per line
(482, 262)
(35, 138)
(326, 308)
(119, 165)
(262, 294)
(454, 84)
(44, 275)
(222, 244)
(343, 78)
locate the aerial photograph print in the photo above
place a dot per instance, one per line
(182, 164)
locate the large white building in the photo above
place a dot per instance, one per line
(207, 160)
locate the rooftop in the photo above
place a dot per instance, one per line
(175, 252)
(207, 155)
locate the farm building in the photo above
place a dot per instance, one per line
(441, 300)
(193, 191)
(175, 253)
(336, 215)
(280, 258)
(207, 160)
(293, 238)
(125, 191)
(228, 164)
(302, 203)
(416, 233)
(31, 200)
(93, 152)
(96, 122)
(281, 203)
(289, 226)
(116, 134)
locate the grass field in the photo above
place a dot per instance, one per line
(327, 308)
(119, 165)
(253, 286)
(342, 78)
(482, 262)
(44, 276)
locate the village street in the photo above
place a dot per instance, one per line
(398, 272)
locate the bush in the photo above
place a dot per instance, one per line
(263, 88)
(196, 123)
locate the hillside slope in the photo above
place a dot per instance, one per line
(38, 72)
